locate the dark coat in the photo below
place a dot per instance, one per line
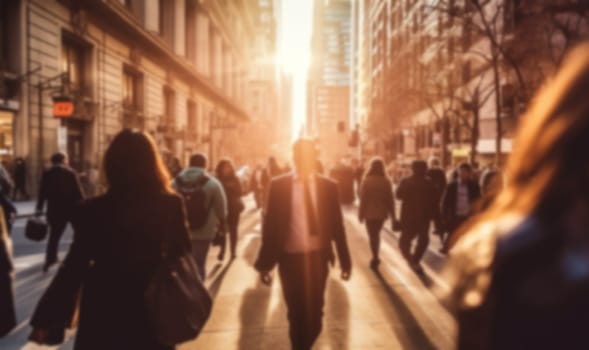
(20, 173)
(7, 310)
(233, 192)
(535, 297)
(117, 247)
(438, 178)
(276, 223)
(449, 199)
(344, 176)
(9, 211)
(60, 187)
(417, 195)
(377, 201)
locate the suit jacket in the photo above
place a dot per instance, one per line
(60, 187)
(276, 224)
(418, 197)
(117, 247)
(438, 178)
(449, 198)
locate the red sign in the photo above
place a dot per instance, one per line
(63, 109)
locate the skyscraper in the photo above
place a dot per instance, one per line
(329, 76)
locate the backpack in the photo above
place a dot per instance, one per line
(195, 199)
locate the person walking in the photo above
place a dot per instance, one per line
(6, 182)
(344, 175)
(61, 189)
(7, 309)
(20, 180)
(303, 219)
(491, 186)
(438, 177)
(520, 273)
(206, 206)
(417, 194)
(377, 203)
(459, 202)
(258, 186)
(225, 173)
(116, 250)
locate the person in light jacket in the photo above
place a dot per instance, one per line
(216, 201)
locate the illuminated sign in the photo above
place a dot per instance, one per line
(63, 107)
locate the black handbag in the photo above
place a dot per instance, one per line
(36, 229)
(177, 303)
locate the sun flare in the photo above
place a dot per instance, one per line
(294, 54)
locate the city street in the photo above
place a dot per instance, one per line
(391, 309)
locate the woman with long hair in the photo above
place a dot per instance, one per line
(225, 173)
(521, 270)
(117, 247)
(376, 205)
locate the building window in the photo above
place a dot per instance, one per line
(132, 83)
(73, 64)
(166, 20)
(191, 39)
(191, 116)
(169, 104)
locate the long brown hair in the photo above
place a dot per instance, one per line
(133, 164)
(546, 174)
(547, 169)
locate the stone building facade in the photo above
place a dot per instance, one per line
(178, 69)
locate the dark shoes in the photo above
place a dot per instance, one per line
(48, 265)
(416, 267)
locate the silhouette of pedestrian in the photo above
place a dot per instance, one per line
(206, 207)
(459, 202)
(418, 200)
(377, 203)
(438, 178)
(20, 180)
(7, 310)
(302, 220)
(117, 248)
(61, 189)
(225, 173)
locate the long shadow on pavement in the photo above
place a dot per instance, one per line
(218, 279)
(415, 337)
(338, 307)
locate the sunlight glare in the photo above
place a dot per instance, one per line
(295, 51)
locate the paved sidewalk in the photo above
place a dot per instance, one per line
(392, 309)
(25, 209)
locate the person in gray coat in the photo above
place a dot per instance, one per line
(377, 203)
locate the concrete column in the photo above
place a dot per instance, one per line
(228, 71)
(179, 27)
(152, 15)
(217, 59)
(203, 48)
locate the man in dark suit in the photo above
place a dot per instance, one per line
(459, 202)
(418, 196)
(302, 220)
(60, 187)
(438, 178)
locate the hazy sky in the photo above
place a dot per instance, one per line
(294, 55)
